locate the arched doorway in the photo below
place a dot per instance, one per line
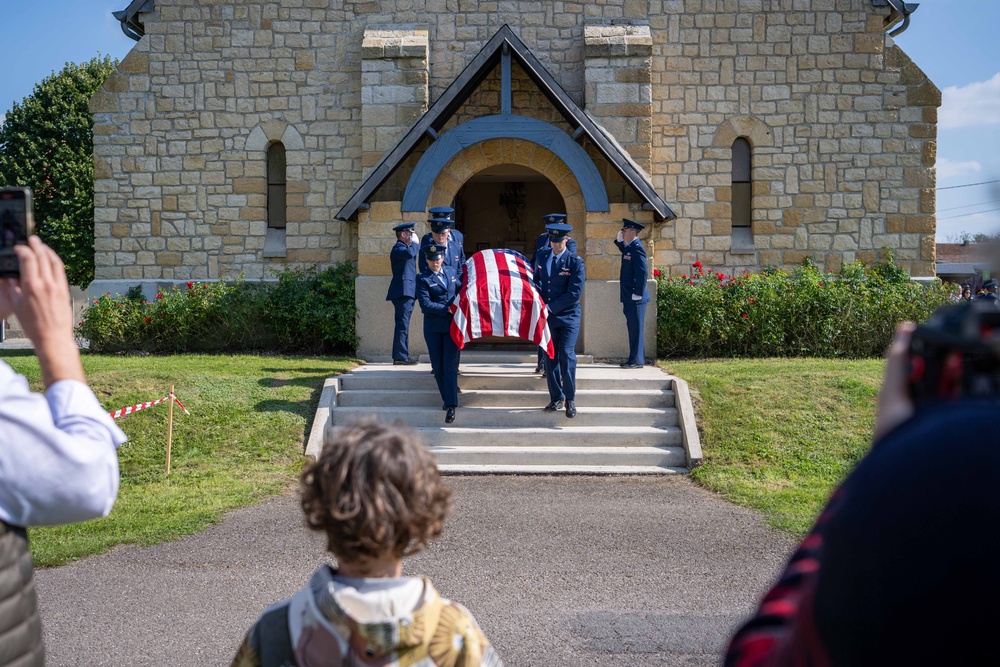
(502, 207)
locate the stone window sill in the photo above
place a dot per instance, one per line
(274, 243)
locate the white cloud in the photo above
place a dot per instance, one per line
(971, 105)
(948, 169)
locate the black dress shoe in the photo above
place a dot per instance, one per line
(449, 416)
(410, 361)
(554, 406)
(570, 409)
(540, 368)
(631, 365)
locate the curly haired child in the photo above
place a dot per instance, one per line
(376, 493)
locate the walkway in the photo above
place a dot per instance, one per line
(558, 570)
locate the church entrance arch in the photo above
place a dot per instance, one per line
(501, 188)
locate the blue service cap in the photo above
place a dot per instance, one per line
(404, 227)
(989, 283)
(438, 225)
(553, 218)
(558, 231)
(442, 212)
(434, 251)
(632, 224)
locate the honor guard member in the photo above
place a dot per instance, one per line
(437, 286)
(634, 293)
(991, 292)
(449, 213)
(543, 242)
(560, 275)
(454, 256)
(403, 290)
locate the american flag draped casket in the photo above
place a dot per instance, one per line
(499, 299)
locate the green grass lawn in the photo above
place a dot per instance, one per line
(779, 434)
(243, 440)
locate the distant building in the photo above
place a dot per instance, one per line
(241, 137)
(965, 263)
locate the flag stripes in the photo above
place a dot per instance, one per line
(500, 299)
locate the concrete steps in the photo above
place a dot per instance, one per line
(628, 421)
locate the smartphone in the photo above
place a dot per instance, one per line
(16, 225)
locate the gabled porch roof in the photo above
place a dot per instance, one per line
(435, 118)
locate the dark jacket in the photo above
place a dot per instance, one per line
(561, 290)
(634, 272)
(20, 625)
(434, 298)
(404, 271)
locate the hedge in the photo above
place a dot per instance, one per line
(805, 313)
(308, 311)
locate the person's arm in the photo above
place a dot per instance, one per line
(57, 454)
(571, 245)
(427, 305)
(640, 271)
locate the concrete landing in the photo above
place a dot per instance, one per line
(637, 421)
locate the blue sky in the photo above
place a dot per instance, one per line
(954, 41)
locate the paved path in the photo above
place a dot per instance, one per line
(558, 570)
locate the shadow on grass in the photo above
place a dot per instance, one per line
(305, 408)
(17, 353)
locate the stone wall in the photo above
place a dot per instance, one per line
(843, 124)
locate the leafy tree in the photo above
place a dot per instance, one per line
(46, 144)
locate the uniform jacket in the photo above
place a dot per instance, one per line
(455, 257)
(20, 626)
(311, 629)
(434, 298)
(404, 271)
(634, 272)
(543, 242)
(561, 290)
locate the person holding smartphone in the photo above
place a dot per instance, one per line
(58, 458)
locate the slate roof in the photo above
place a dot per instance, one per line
(435, 118)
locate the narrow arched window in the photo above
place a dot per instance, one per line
(742, 187)
(276, 186)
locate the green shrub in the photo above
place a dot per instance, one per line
(779, 314)
(304, 311)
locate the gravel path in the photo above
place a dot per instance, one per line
(558, 571)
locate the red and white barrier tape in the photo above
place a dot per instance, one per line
(148, 404)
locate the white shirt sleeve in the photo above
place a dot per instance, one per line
(58, 462)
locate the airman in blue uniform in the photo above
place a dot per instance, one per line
(634, 293)
(439, 235)
(449, 213)
(560, 276)
(437, 287)
(543, 242)
(403, 290)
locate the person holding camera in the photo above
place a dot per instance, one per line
(900, 568)
(58, 459)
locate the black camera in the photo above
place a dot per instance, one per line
(955, 354)
(16, 225)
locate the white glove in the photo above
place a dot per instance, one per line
(621, 236)
(637, 297)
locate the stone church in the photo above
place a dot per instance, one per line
(242, 137)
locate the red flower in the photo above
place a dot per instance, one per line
(107, 294)
(697, 264)
(190, 284)
(821, 284)
(148, 320)
(656, 273)
(751, 301)
(690, 282)
(744, 315)
(159, 296)
(684, 276)
(720, 276)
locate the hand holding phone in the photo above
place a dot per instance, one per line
(16, 225)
